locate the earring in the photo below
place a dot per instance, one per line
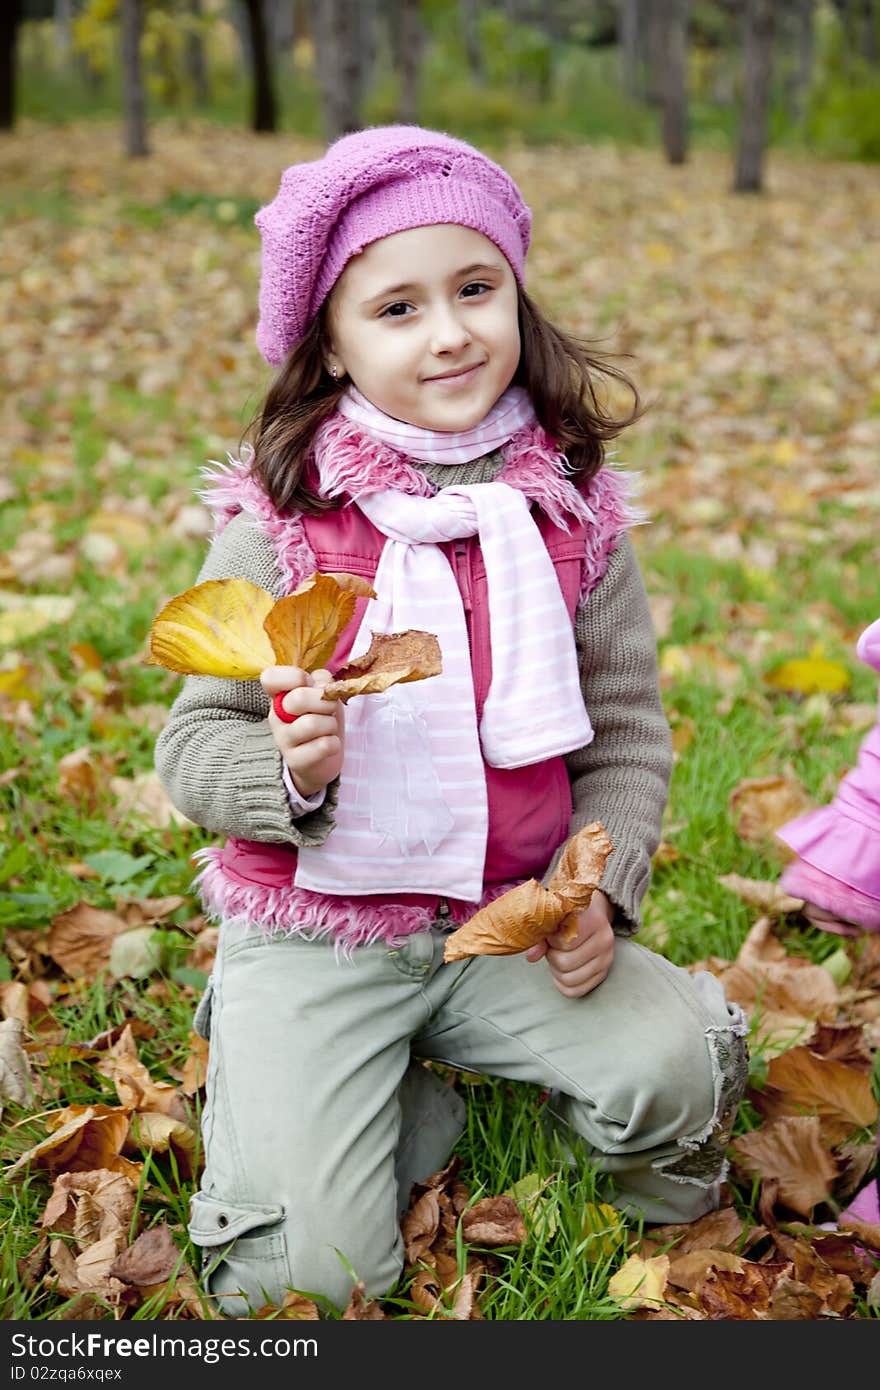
(334, 372)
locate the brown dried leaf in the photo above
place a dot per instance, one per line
(80, 778)
(360, 1308)
(16, 1081)
(760, 805)
(790, 1150)
(513, 922)
(80, 939)
(742, 1295)
(151, 1259)
(83, 1137)
(765, 894)
(529, 912)
(868, 1233)
(352, 583)
(783, 993)
(214, 629)
(581, 866)
(195, 1068)
(799, 1082)
(110, 1194)
(294, 1307)
(494, 1221)
(135, 1087)
(392, 659)
(304, 627)
(718, 1230)
(835, 1290)
(420, 1225)
(688, 1271)
(158, 1133)
(31, 1266)
(792, 1300)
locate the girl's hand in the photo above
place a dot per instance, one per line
(828, 922)
(313, 746)
(581, 964)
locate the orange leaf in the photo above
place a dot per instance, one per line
(83, 1137)
(304, 627)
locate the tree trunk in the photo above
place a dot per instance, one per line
(264, 110)
(281, 25)
(653, 32)
(339, 64)
(674, 16)
(628, 16)
(133, 94)
(757, 75)
(805, 57)
(412, 38)
(469, 11)
(10, 17)
(196, 66)
(64, 29)
(872, 44)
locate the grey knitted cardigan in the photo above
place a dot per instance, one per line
(219, 763)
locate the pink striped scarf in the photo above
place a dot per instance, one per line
(510, 412)
(412, 814)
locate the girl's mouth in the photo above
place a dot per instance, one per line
(458, 379)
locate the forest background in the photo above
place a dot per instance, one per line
(706, 192)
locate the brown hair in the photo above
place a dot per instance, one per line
(556, 369)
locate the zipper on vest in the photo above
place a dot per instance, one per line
(463, 574)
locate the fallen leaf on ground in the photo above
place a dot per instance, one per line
(760, 805)
(494, 1221)
(762, 893)
(83, 1137)
(640, 1282)
(799, 1082)
(791, 1151)
(150, 1259)
(16, 1081)
(80, 940)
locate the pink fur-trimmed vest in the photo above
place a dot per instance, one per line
(529, 807)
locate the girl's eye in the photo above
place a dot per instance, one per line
(388, 312)
(475, 285)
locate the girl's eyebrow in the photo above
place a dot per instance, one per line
(478, 266)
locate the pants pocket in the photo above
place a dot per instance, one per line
(244, 1252)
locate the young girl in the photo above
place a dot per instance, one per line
(430, 431)
(836, 868)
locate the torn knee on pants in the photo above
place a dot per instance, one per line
(702, 1159)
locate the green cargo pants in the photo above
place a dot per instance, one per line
(319, 1116)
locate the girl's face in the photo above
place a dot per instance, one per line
(425, 324)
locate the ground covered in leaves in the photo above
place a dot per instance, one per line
(128, 309)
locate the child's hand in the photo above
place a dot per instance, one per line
(581, 964)
(313, 746)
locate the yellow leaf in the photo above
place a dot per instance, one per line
(24, 615)
(640, 1282)
(214, 629)
(605, 1228)
(809, 675)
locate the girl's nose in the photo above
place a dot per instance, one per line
(448, 332)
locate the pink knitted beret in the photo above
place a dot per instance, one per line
(371, 183)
